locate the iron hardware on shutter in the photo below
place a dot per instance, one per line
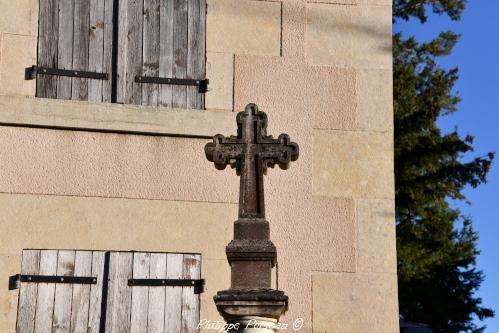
(14, 281)
(202, 84)
(197, 284)
(33, 71)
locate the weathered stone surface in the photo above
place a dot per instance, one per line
(349, 36)
(250, 274)
(109, 165)
(374, 100)
(251, 229)
(243, 27)
(44, 112)
(220, 72)
(362, 166)
(19, 17)
(310, 232)
(263, 302)
(344, 302)
(297, 96)
(18, 52)
(376, 236)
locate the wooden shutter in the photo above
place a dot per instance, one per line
(77, 36)
(53, 307)
(110, 304)
(164, 39)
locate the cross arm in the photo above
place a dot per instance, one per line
(279, 151)
(223, 151)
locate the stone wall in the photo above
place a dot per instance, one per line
(320, 69)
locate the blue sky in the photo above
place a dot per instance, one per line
(477, 56)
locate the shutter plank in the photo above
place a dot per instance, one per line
(119, 293)
(96, 48)
(107, 65)
(46, 292)
(96, 291)
(65, 47)
(28, 292)
(202, 48)
(134, 51)
(180, 51)
(48, 30)
(173, 295)
(196, 51)
(80, 47)
(150, 51)
(156, 307)
(81, 293)
(166, 51)
(122, 50)
(190, 301)
(140, 294)
(61, 320)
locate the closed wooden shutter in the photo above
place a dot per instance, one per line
(110, 304)
(77, 36)
(163, 39)
(123, 39)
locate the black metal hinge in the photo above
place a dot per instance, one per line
(197, 284)
(202, 84)
(33, 71)
(15, 280)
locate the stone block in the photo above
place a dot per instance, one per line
(349, 36)
(352, 303)
(374, 100)
(113, 117)
(18, 52)
(353, 164)
(376, 236)
(85, 163)
(244, 27)
(19, 17)
(116, 224)
(220, 72)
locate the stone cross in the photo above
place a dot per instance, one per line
(251, 253)
(251, 152)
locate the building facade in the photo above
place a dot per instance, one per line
(124, 170)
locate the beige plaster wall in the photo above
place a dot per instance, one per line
(321, 70)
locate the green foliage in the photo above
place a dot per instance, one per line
(436, 244)
(406, 9)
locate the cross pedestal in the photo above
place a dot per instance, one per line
(250, 301)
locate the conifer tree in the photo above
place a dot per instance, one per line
(436, 244)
